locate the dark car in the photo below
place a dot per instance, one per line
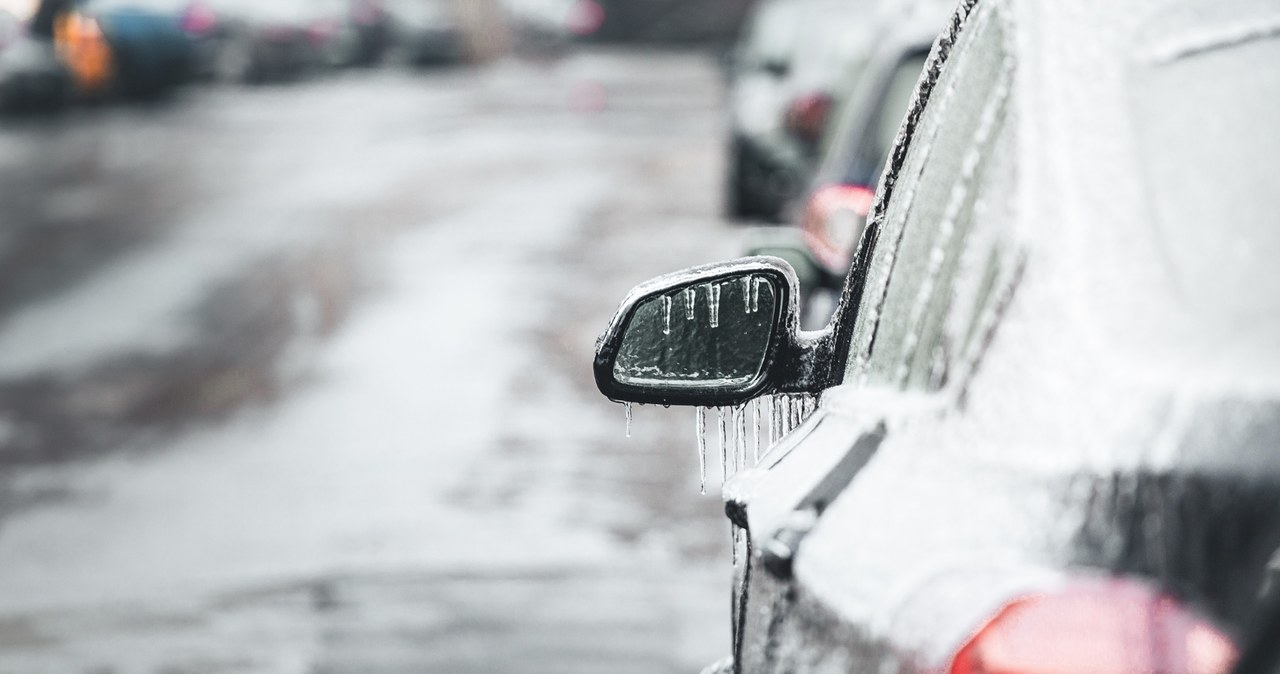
(784, 71)
(427, 32)
(713, 22)
(1048, 408)
(150, 54)
(132, 48)
(258, 42)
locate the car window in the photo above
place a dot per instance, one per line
(926, 222)
(963, 308)
(865, 159)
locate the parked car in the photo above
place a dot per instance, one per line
(257, 42)
(31, 76)
(783, 73)
(427, 32)
(838, 200)
(1048, 406)
(135, 48)
(663, 21)
(543, 26)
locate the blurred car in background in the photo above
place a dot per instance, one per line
(707, 22)
(135, 48)
(783, 74)
(542, 26)
(249, 41)
(426, 32)
(31, 76)
(1048, 408)
(835, 208)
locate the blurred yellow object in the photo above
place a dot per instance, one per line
(83, 48)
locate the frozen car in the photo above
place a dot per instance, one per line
(783, 72)
(1048, 407)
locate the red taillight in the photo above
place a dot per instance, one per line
(199, 20)
(834, 218)
(1096, 627)
(585, 17)
(807, 116)
(322, 31)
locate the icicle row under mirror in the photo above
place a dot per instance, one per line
(744, 436)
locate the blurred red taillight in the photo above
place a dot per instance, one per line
(199, 20)
(585, 17)
(367, 12)
(833, 220)
(322, 31)
(1096, 627)
(807, 116)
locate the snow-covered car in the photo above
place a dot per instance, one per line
(1041, 432)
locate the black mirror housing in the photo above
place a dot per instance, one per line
(716, 335)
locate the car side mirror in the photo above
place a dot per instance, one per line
(717, 335)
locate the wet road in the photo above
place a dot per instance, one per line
(296, 379)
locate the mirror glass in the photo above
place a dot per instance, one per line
(713, 334)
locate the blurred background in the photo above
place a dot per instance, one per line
(297, 305)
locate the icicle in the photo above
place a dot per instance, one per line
(740, 419)
(690, 299)
(713, 292)
(755, 423)
(701, 422)
(775, 419)
(666, 314)
(720, 415)
(746, 294)
(627, 406)
(733, 541)
(755, 294)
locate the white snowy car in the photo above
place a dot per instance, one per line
(1047, 429)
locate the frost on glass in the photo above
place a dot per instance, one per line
(713, 334)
